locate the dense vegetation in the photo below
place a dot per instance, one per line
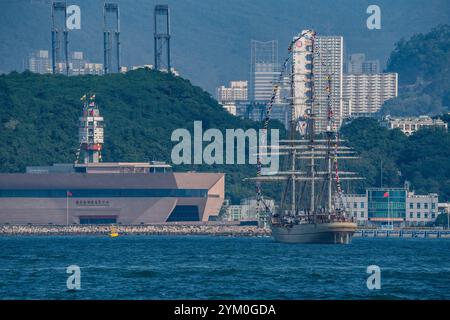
(39, 120)
(423, 64)
(421, 159)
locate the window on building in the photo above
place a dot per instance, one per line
(362, 205)
(355, 205)
(62, 193)
(411, 215)
(433, 205)
(418, 215)
(184, 213)
(98, 219)
(425, 205)
(418, 205)
(411, 205)
(433, 216)
(426, 215)
(362, 214)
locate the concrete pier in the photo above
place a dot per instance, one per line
(403, 233)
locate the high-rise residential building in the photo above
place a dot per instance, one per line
(237, 91)
(357, 64)
(364, 94)
(371, 67)
(302, 80)
(39, 62)
(328, 62)
(79, 66)
(323, 55)
(264, 70)
(77, 63)
(93, 68)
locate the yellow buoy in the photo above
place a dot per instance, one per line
(113, 233)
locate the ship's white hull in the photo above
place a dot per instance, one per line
(333, 233)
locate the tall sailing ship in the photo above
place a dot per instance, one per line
(311, 209)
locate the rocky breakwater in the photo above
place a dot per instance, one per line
(157, 229)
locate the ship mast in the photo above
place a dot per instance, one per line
(293, 124)
(329, 134)
(315, 152)
(311, 131)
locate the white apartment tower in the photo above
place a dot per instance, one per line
(355, 63)
(364, 94)
(327, 61)
(302, 81)
(39, 62)
(237, 91)
(358, 64)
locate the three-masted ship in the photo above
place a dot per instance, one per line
(311, 209)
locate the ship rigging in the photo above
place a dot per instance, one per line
(303, 215)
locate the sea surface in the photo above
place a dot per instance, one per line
(202, 267)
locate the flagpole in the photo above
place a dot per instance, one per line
(448, 218)
(389, 212)
(67, 207)
(388, 208)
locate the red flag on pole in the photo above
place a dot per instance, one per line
(69, 194)
(386, 194)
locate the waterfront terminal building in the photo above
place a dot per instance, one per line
(104, 193)
(396, 206)
(96, 192)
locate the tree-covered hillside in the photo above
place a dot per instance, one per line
(39, 126)
(423, 159)
(39, 120)
(423, 64)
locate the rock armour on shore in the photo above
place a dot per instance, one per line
(218, 230)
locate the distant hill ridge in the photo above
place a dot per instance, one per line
(211, 38)
(39, 119)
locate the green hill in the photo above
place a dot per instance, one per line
(423, 64)
(422, 159)
(39, 120)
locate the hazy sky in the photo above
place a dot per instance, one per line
(211, 38)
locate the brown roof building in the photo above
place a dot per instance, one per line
(52, 197)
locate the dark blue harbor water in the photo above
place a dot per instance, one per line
(165, 267)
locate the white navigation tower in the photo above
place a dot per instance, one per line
(91, 134)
